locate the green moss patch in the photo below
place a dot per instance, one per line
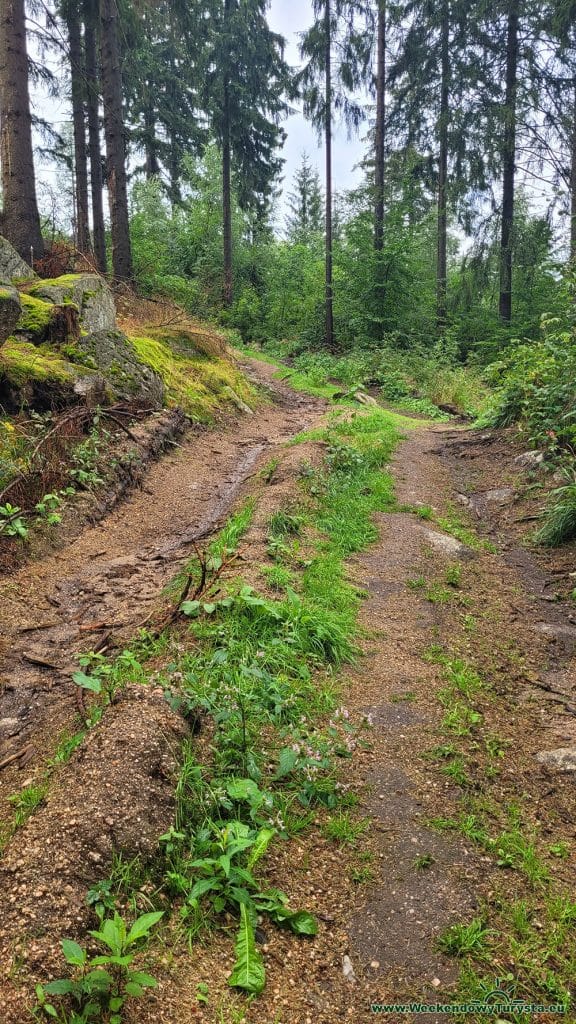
(21, 362)
(192, 378)
(36, 315)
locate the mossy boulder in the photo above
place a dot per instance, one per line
(199, 377)
(42, 321)
(89, 292)
(10, 310)
(12, 266)
(128, 376)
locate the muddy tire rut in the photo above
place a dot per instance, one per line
(96, 592)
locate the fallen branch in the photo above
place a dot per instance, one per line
(28, 749)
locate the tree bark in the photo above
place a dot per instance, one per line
(380, 136)
(20, 220)
(79, 124)
(328, 135)
(226, 177)
(573, 185)
(93, 104)
(441, 260)
(509, 164)
(114, 134)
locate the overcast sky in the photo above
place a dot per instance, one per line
(289, 18)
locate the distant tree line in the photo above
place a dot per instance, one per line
(462, 101)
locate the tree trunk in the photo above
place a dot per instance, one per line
(328, 134)
(92, 104)
(79, 123)
(226, 179)
(441, 262)
(509, 164)
(151, 165)
(573, 185)
(380, 138)
(20, 218)
(115, 141)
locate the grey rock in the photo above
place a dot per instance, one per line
(91, 390)
(448, 545)
(116, 358)
(563, 758)
(12, 266)
(237, 401)
(500, 496)
(556, 629)
(89, 292)
(10, 310)
(348, 970)
(530, 460)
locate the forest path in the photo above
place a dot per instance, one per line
(103, 585)
(450, 588)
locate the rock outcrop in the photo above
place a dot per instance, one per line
(89, 292)
(10, 310)
(12, 266)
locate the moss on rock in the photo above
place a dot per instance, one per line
(21, 361)
(36, 315)
(196, 380)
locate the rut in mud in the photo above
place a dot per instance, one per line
(448, 573)
(94, 594)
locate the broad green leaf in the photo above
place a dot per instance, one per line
(286, 762)
(141, 978)
(301, 922)
(242, 789)
(131, 988)
(62, 987)
(190, 608)
(201, 886)
(73, 953)
(225, 863)
(87, 682)
(248, 972)
(209, 607)
(261, 844)
(99, 979)
(116, 1003)
(143, 925)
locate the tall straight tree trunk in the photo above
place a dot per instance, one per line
(227, 178)
(380, 137)
(573, 184)
(328, 134)
(20, 220)
(79, 124)
(151, 166)
(115, 140)
(509, 164)
(441, 262)
(92, 106)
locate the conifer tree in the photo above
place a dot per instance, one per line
(304, 222)
(336, 50)
(20, 220)
(245, 83)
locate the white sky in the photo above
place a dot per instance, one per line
(289, 18)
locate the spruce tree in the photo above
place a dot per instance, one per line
(336, 50)
(115, 136)
(304, 221)
(20, 220)
(245, 83)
